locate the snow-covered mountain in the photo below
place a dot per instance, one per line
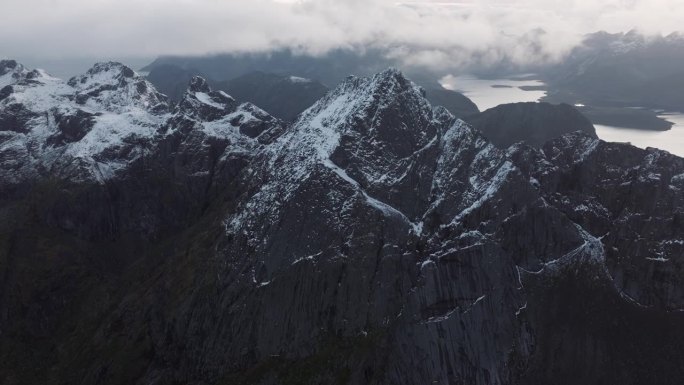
(375, 240)
(96, 125)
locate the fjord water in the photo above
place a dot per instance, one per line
(488, 93)
(671, 140)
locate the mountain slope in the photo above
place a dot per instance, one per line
(376, 240)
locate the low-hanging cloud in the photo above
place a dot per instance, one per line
(421, 33)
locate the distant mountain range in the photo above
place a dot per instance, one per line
(623, 70)
(282, 94)
(609, 73)
(328, 69)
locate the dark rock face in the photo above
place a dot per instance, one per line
(376, 240)
(629, 199)
(14, 117)
(201, 102)
(10, 72)
(7, 65)
(632, 199)
(534, 123)
(198, 84)
(72, 128)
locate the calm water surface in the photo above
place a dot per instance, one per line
(671, 140)
(485, 93)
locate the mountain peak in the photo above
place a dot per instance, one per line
(387, 109)
(11, 72)
(391, 72)
(112, 66)
(202, 102)
(393, 76)
(117, 86)
(111, 73)
(198, 84)
(367, 131)
(8, 65)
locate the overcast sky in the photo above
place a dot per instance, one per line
(421, 32)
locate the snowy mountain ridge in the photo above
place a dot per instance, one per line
(96, 124)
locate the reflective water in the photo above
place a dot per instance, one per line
(487, 93)
(671, 140)
(490, 93)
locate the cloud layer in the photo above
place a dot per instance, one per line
(432, 33)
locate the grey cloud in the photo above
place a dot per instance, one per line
(421, 33)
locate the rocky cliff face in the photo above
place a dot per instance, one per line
(375, 240)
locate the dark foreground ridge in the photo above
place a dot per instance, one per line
(375, 240)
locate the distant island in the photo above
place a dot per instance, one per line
(614, 116)
(534, 88)
(642, 119)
